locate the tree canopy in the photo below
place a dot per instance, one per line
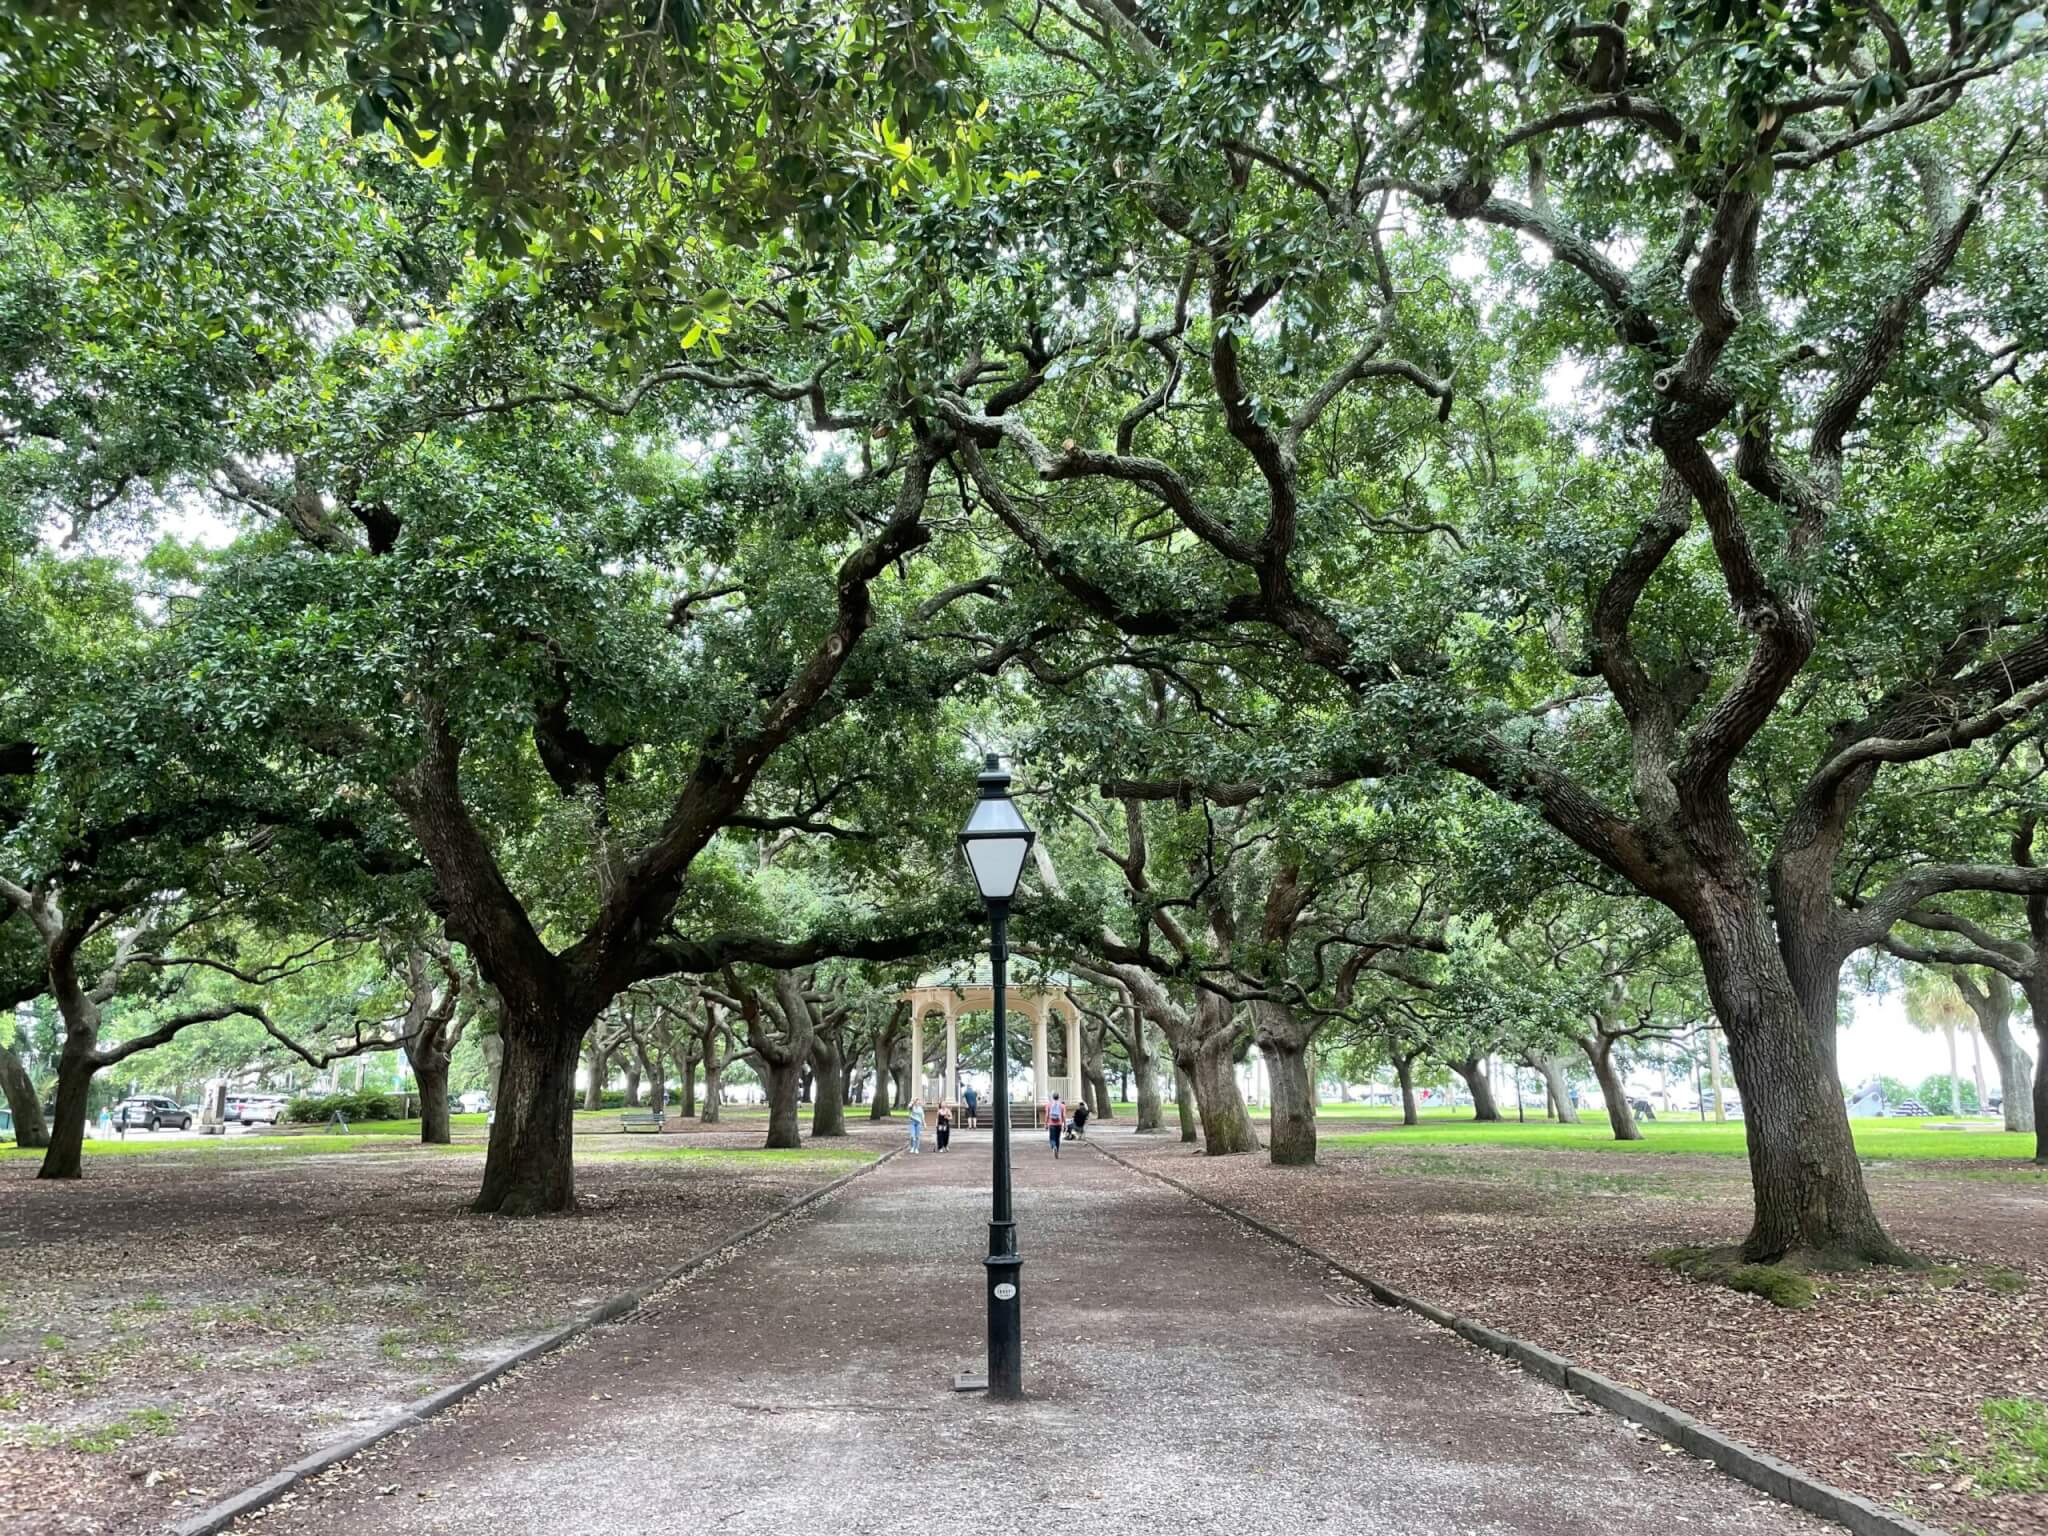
(1486, 529)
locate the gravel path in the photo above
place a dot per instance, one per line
(1181, 1372)
(1863, 1389)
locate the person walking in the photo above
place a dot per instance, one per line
(917, 1125)
(1055, 1122)
(972, 1100)
(945, 1126)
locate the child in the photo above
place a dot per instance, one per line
(945, 1126)
(916, 1125)
(1055, 1122)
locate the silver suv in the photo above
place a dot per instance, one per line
(151, 1114)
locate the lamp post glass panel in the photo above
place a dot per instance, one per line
(995, 842)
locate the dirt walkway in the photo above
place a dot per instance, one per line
(1182, 1373)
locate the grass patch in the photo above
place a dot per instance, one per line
(105, 1438)
(278, 1315)
(219, 1149)
(1776, 1283)
(1891, 1140)
(415, 1345)
(2015, 1454)
(2000, 1279)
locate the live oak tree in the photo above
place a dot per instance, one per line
(332, 457)
(1218, 441)
(138, 861)
(1638, 417)
(2012, 949)
(794, 1021)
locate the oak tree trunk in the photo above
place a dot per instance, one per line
(2037, 1004)
(2015, 1081)
(30, 1129)
(1293, 1136)
(1226, 1126)
(1404, 1068)
(430, 1070)
(657, 1084)
(529, 1169)
(492, 1048)
(1184, 1100)
(1473, 1070)
(632, 1085)
(1292, 1140)
(885, 1051)
(1621, 1115)
(784, 1081)
(2040, 1086)
(1096, 1085)
(1807, 1186)
(1151, 1113)
(593, 1090)
(1552, 1067)
(828, 1094)
(1992, 1004)
(65, 1156)
(714, 1087)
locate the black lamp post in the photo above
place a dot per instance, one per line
(995, 842)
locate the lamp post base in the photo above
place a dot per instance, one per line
(1005, 1326)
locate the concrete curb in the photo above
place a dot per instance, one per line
(1766, 1473)
(218, 1517)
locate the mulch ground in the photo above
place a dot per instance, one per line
(1864, 1389)
(175, 1326)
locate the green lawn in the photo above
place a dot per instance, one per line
(252, 1147)
(400, 1135)
(1904, 1140)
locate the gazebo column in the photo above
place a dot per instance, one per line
(952, 1054)
(916, 1053)
(1041, 1076)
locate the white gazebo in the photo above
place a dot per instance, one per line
(1033, 1001)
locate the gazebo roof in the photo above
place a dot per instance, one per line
(1024, 977)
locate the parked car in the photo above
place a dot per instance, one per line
(258, 1109)
(151, 1114)
(474, 1102)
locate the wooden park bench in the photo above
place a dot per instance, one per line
(640, 1120)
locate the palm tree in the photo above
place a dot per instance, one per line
(1932, 1002)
